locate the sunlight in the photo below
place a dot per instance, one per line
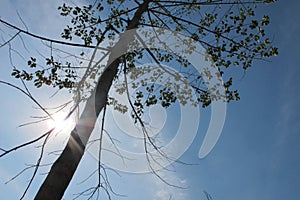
(61, 124)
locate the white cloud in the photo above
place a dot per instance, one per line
(164, 191)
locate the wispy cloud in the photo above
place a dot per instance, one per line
(163, 191)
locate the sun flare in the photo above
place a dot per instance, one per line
(60, 123)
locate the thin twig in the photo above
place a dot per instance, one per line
(8, 41)
(37, 166)
(25, 144)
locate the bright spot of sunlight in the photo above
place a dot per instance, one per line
(60, 123)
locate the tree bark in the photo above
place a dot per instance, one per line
(64, 167)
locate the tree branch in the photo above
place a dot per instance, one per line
(25, 144)
(48, 39)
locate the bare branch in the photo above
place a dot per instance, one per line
(37, 166)
(28, 95)
(50, 40)
(8, 41)
(26, 144)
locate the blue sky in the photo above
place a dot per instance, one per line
(257, 156)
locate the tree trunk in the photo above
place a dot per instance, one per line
(63, 169)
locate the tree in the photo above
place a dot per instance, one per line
(228, 30)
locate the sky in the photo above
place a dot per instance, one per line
(256, 157)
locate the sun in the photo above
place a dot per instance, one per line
(60, 123)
